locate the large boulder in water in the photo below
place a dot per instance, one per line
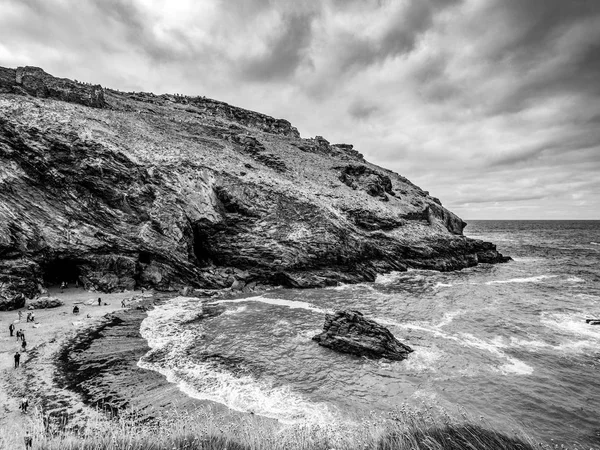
(351, 332)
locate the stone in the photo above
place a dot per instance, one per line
(237, 285)
(46, 302)
(350, 332)
(13, 302)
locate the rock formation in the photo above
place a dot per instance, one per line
(46, 302)
(350, 332)
(122, 190)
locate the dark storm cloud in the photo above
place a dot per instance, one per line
(402, 29)
(285, 51)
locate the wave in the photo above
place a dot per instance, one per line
(572, 325)
(440, 285)
(536, 279)
(514, 366)
(388, 278)
(422, 360)
(351, 287)
(575, 280)
(595, 243)
(292, 304)
(170, 343)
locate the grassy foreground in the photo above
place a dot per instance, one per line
(205, 431)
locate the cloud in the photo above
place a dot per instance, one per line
(470, 99)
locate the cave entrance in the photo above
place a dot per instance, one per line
(60, 269)
(201, 244)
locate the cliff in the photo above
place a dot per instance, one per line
(134, 189)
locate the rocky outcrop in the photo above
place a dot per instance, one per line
(350, 332)
(34, 81)
(371, 181)
(45, 302)
(125, 190)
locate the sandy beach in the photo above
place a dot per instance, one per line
(34, 378)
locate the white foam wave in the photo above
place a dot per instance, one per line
(440, 285)
(351, 287)
(514, 366)
(170, 341)
(575, 280)
(387, 278)
(233, 311)
(292, 304)
(536, 279)
(595, 243)
(573, 325)
(422, 360)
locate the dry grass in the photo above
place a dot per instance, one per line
(405, 430)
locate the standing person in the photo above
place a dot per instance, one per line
(99, 301)
(24, 405)
(24, 346)
(28, 441)
(11, 329)
(20, 315)
(17, 359)
(18, 335)
(22, 335)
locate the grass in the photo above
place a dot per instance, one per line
(406, 429)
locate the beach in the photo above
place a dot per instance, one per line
(34, 378)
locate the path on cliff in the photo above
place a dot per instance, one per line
(34, 378)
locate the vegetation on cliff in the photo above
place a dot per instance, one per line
(119, 190)
(410, 430)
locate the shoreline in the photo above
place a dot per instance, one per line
(84, 368)
(35, 378)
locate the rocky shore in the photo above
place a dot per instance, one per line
(134, 190)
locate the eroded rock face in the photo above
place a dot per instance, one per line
(371, 181)
(138, 190)
(350, 332)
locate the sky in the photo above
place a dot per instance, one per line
(493, 106)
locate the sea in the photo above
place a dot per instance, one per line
(504, 343)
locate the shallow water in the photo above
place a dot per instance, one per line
(508, 341)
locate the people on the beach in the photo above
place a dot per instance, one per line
(24, 404)
(18, 335)
(20, 315)
(22, 335)
(24, 346)
(122, 305)
(28, 441)
(11, 329)
(99, 301)
(17, 359)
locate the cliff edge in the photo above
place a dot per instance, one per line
(119, 190)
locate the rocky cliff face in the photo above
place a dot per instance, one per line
(119, 190)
